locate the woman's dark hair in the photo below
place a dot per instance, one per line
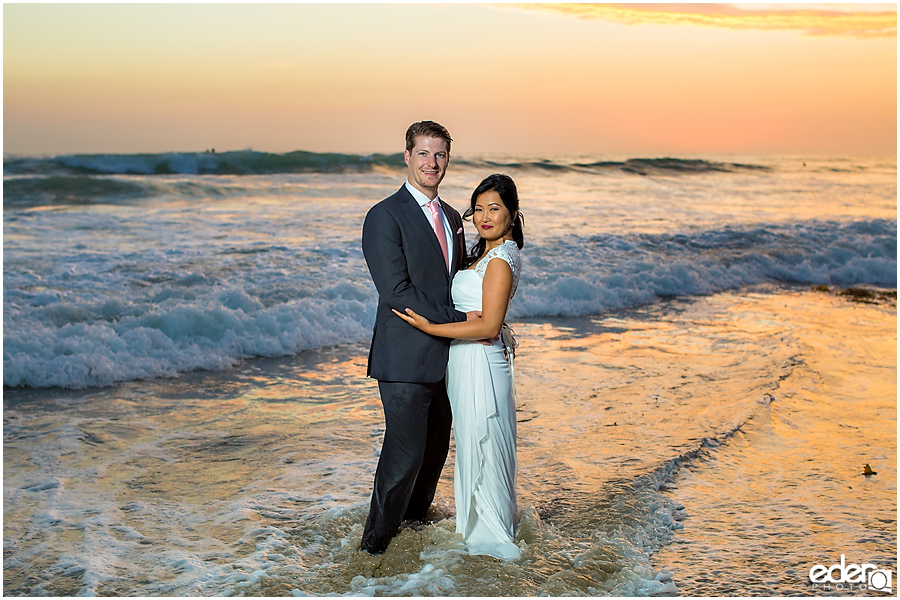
(506, 189)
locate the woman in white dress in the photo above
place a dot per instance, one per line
(480, 374)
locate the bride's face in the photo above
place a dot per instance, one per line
(491, 217)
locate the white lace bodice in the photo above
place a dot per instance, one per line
(466, 289)
(509, 252)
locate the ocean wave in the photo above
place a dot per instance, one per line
(635, 166)
(603, 273)
(249, 162)
(647, 166)
(152, 317)
(242, 162)
(25, 192)
(68, 345)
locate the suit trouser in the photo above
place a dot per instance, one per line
(417, 420)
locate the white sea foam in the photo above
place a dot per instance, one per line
(169, 545)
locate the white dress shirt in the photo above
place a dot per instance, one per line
(423, 201)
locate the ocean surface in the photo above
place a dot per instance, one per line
(186, 410)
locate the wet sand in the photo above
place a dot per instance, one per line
(660, 450)
(789, 489)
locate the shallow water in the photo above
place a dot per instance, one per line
(788, 490)
(255, 481)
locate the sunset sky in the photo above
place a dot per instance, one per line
(530, 79)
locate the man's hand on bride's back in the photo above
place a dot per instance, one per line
(414, 319)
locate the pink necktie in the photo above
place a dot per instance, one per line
(438, 227)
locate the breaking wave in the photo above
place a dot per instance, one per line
(152, 316)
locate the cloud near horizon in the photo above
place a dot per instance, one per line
(816, 22)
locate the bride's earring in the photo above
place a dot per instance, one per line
(511, 224)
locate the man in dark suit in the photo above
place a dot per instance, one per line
(412, 267)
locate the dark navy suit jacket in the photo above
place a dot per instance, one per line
(407, 266)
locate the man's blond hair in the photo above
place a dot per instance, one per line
(427, 129)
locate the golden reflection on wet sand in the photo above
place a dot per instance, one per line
(271, 464)
(796, 492)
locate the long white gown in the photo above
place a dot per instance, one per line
(482, 395)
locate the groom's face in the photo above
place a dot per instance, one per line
(426, 164)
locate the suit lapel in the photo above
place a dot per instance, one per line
(459, 239)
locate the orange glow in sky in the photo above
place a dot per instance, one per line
(876, 21)
(518, 79)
